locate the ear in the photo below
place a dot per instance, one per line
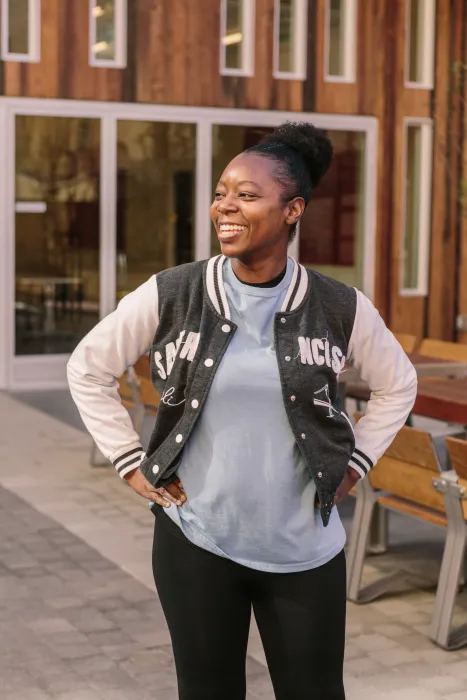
(296, 207)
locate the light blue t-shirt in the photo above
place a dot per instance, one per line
(250, 495)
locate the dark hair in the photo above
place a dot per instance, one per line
(303, 155)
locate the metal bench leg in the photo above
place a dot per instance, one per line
(364, 508)
(378, 543)
(451, 569)
(97, 458)
(138, 418)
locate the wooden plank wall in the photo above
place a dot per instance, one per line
(448, 286)
(380, 91)
(173, 58)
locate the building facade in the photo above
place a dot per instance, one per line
(117, 117)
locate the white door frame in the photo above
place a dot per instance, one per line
(48, 371)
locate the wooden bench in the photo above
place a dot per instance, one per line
(402, 481)
(443, 350)
(452, 486)
(140, 398)
(408, 480)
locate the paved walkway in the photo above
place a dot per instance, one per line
(78, 613)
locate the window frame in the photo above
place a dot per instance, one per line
(34, 34)
(121, 37)
(350, 43)
(427, 48)
(424, 203)
(300, 42)
(248, 32)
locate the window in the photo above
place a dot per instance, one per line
(57, 232)
(237, 37)
(416, 207)
(332, 231)
(340, 40)
(108, 20)
(420, 43)
(156, 173)
(21, 27)
(290, 39)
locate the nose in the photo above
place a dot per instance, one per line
(227, 204)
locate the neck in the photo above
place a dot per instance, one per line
(256, 272)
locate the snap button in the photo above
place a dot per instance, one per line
(179, 438)
(288, 358)
(283, 320)
(194, 403)
(226, 328)
(320, 474)
(292, 398)
(155, 469)
(209, 362)
(303, 436)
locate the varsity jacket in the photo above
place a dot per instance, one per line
(181, 317)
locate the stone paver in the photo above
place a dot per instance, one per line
(80, 619)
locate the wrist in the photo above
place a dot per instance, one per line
(353, 475)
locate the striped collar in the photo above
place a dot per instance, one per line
(215, 287)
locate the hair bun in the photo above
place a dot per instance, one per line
(312, 143)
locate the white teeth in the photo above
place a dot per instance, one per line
(231, 227)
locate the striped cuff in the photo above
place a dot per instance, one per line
(129, 461)
(360, 462)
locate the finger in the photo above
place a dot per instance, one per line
(160, 500)
(174, 490)
(179, 484)
(148, 491)
(167, 495)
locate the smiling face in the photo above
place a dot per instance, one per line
(252, 219)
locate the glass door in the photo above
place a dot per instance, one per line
(155, 199)
(56, 232)
(332, 230)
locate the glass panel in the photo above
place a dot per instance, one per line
(18, 26)
(57, 232)
(228, 141)
(412, 208)
(104, 17)
(336, 37)
(156, 168)
(286, 35)
(233, 39)
(416, 42)
(331, 230)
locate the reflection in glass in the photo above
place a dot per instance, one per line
(287, 9)
(331, 231)
(156, 165)
(336, 38)
(412, 208)
(105, 33)
(18, 26)
(57, 232)
(233, 39)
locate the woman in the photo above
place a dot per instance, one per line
(246, 350)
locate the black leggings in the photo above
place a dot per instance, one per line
(207, 602)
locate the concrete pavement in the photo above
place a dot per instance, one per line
(79, 616)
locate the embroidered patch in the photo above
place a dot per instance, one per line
(325, 401)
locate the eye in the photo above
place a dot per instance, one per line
(218, 195)
(247, 195)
